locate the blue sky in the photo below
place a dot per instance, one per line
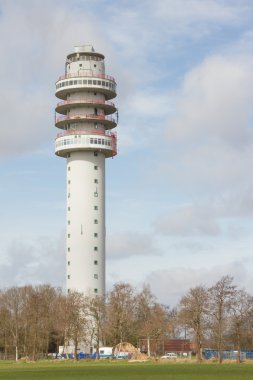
(179, 193)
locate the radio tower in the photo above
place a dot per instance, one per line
(85, 141)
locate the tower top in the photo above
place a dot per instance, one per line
(83, 50)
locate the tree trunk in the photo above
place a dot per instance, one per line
(16, 343)
(75, 345)
(97, 343)
(5, 347)
(199, 344)
(34, 347)
(219, 355)
(238, 345)
(148, 342)
(219, 342)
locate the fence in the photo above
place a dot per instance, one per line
(229, 354)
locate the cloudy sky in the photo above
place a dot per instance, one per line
(180, 191)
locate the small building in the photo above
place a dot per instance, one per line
(161, 346)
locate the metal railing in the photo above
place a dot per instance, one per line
(85, 116)
(86, 75)
(87, 132)
(83, 100)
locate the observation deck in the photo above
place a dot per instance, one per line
(95, 140)
(102, 83)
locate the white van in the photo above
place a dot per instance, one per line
(169, 355)
(105, 352)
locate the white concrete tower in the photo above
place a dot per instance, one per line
(85, 141)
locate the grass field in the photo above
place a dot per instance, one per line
(52, 370)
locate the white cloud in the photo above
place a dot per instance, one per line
(210, 140)
(215, 103)
(188, 220)
(124, 245)
(211, 216)
(37, 261)
(200, 17)
(169, 285)
(144, 29)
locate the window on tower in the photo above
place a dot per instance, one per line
(95, 290)
(95, 262)
(95, 234)
(95, 221)
(96, 276)
(95, 167)
(95, 248)
(68, 276)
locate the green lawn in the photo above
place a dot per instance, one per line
(123, 371)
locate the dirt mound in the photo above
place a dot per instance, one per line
(133, 352)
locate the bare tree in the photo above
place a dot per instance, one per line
(193, 309)
(174, 327)
(241, 310)
(221, 296)
(6, 338)
(95, 317)
(151, 316)
(120, 314)
(14, 304)
(75, 320)
(40, 315)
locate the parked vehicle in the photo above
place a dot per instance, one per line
(105, 352)
(169, 355)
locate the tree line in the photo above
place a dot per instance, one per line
(35, 320)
